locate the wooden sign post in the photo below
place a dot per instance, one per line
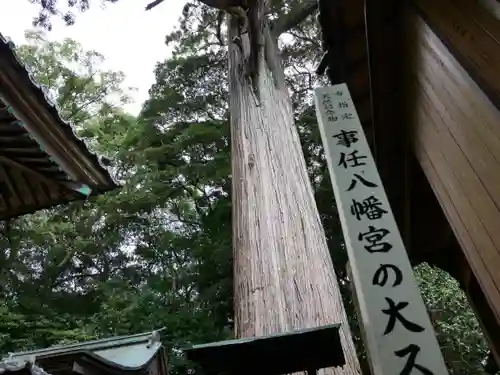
(399, 336)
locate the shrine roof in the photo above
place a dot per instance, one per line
(123, 353)
(43, 162)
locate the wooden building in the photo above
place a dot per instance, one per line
(141, 354)
(425, 80)
(42, 162)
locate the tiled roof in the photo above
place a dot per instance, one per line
(41, 155)
(128, 353)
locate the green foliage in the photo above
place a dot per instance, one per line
(63, 9)
(158, 252)
(459, 334)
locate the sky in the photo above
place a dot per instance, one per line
(131, 39)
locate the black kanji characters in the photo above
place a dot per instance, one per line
(381, 276)
(361, 179)
(332, 117)
(346, 137)
(411, 351)
(330, 112)
(351, 159)
(374, 238)
(347, 116)
(330, 109)
(369, 207)
(395, 315)
(327, 101)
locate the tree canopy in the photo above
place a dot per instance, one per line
(64, 9)
(157, 252)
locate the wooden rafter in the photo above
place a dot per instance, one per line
(40, 176)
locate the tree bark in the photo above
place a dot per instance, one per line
(283, 273)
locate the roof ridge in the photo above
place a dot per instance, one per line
(90, 345)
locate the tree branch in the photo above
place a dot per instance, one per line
(305, 39)
(153, 4)
(294, 17)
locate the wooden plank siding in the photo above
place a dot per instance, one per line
(456, 138)
(492, 6)
(472, 34)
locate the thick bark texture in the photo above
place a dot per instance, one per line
(283, 274)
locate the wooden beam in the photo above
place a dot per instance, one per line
(472, 34)
(49, 181)
(384, 44)
(493, 6)
(48, 129)
(31, 160)
(17, 141)
(10, 184)
(429, 227)
(4, 113)
(21, 150)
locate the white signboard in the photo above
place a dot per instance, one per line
(399, 336)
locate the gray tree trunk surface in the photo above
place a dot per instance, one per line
(283, 273)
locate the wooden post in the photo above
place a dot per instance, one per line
(398, 334)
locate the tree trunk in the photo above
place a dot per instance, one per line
(283, 273)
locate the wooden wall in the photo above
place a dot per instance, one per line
(456, 138)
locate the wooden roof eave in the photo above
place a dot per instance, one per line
(92, 345)
(29, 103)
